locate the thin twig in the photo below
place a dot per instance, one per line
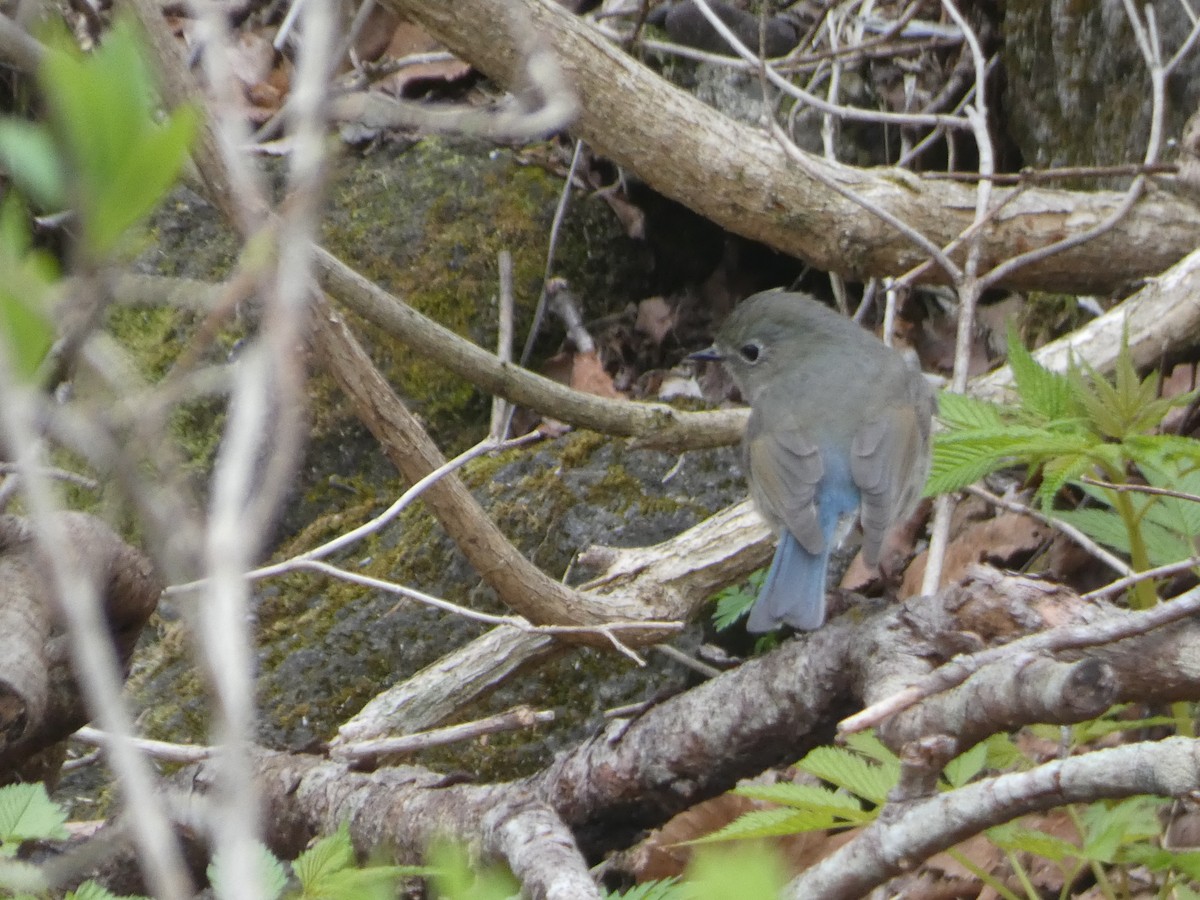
(376, 524)
(1121, 584)
(560, 213)
(1139, 489)
(1039, 176)
(607, 630)
(164, 750)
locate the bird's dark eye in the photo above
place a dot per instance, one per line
(750, 352)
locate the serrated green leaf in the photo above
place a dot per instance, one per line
(1003, 753)
(330, 854)
(1102, 525)
(868, 744)
(806, 797)
(733, 603)
(959, 411)
(1044, 394)
(272, 876)
(367, 883)
(27, 813)
(1186, 862)
(767, 823)
(851, 772)
(1058, 471)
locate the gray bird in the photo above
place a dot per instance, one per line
(839, 425)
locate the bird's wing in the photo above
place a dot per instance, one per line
(887, 463)
(786, 469)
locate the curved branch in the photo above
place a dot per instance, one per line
(890, 845)
(738, 177)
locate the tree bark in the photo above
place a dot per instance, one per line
(738, 177)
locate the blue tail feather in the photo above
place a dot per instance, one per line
(793, 592)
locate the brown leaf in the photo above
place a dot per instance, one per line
(588, 375)
(1004, 541)
(655, 318)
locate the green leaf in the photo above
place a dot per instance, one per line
(143, 178)
(851, 772)
(807, 797)
(966, 766)
(1102, 525)
(958, 411)
(27, 813)
(367, 883)
(868, 744)
(1186, 862)
(780, 822)
(120, 159)
(28, 152)
(665, 889)
(1013, 836)
(272, 875)
(733, 603)
(454, 879)
(1109, 826)
(90, 890)
(1003, 753)
(330, 854)
(745, 872)
(1043, 394)
(30, 279)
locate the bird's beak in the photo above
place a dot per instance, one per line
(708, 354)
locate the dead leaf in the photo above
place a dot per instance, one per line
(588, 375)
(655, 318)
(631, 216)
(1004, 541)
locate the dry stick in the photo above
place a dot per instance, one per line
(520, 585)
(1121, 584)
(1072, 637)
(164, 750)
(746, 185)
(1037, 176)
(376, 524)
(498, 430)
(516, 718)
(889, 845)
(653, 424)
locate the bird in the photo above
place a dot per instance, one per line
(839, 430)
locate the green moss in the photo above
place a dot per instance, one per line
(432, 233)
